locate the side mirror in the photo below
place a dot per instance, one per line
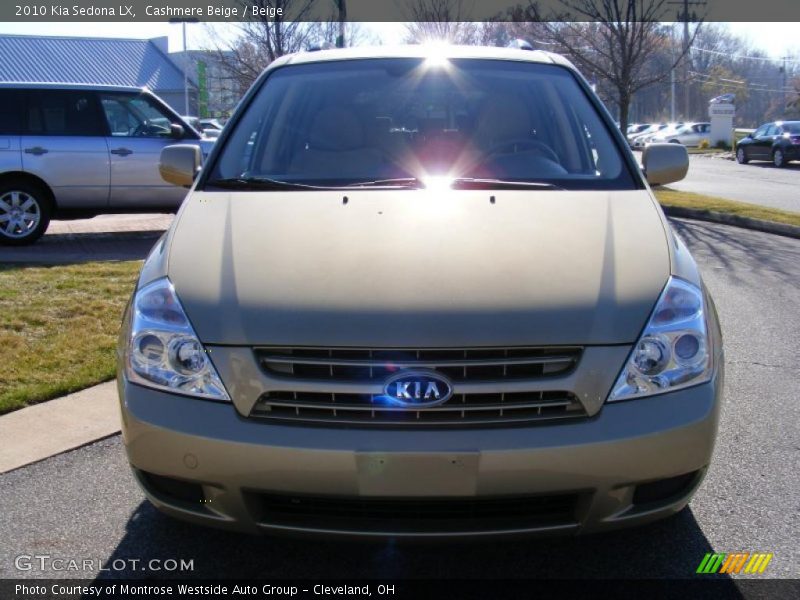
(665, 163)
(179, 164)
(750, 135)
(176, 131)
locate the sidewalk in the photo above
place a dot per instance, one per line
(43, 430)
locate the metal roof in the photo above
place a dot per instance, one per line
(27, 85)
(125, 62)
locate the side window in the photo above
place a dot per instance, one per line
(11, 103)
(771, 130)
(760, 132)
(135, 116)
(63, 112)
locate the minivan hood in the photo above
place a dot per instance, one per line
(418, 268)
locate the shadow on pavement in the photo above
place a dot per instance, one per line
(741, 250)
(83, 247)
(672, 548)
(792, 166)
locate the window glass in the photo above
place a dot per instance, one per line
(63, 112)
(11, 111)
(337, 123)
(761, 131)
(771, 130)
(130, 115)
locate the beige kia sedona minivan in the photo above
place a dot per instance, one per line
(420, 292)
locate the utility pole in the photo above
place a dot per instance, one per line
(185, 76)
(672, 95)
(185, 62)
(342, 21)
(684, 16)
(672, 86)
(783, 84)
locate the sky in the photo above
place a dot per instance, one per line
(777, 43)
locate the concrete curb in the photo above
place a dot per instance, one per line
(43, 430)
(711, 216)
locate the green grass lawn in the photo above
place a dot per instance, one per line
(59, 327)
(669, 197)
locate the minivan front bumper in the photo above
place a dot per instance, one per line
(633, 462)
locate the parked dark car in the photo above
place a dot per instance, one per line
(778, 142)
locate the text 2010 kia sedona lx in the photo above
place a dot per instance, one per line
(420, 293)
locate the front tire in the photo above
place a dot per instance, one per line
(741, 156)
(778, 158)
(25, 211)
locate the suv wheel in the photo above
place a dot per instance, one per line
(24, 213)
(741, 157)
(778, 158)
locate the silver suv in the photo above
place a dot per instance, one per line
(420, 293)
(78, 150)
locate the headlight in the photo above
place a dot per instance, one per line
(674, 350)
(163, 351)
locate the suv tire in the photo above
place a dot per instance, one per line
(25, 210)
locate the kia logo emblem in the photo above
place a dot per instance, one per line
(418, 388)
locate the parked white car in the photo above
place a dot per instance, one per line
(665, 129)
(690, 134)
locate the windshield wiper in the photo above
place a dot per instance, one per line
(397, 182)
(459, 183)
(261, 183)
(473, 183)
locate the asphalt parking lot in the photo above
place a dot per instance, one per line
(756, 182)
(85, 504)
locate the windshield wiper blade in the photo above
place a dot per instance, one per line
(400, 182)
(260, 183)
(459, 183)
(474, 183)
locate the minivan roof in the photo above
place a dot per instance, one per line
(70, 86)
(423, 51)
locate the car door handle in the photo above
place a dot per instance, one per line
(36, 150)
(121, 151)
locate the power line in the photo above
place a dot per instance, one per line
(734, 84)
(744, 57)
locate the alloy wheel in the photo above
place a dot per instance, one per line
(20, 214)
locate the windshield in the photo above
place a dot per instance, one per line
(357, 121)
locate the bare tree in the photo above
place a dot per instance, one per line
(329, 33)
(615, 40)
(439, 20)
(261, 40)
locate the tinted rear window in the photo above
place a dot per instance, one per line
(337, 123)
(11, 103)
(63, 112)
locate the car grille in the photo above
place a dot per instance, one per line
(345, 364)
(338, 367)
(410, 515)
(461, 409)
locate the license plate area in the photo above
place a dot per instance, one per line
(417, 474)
